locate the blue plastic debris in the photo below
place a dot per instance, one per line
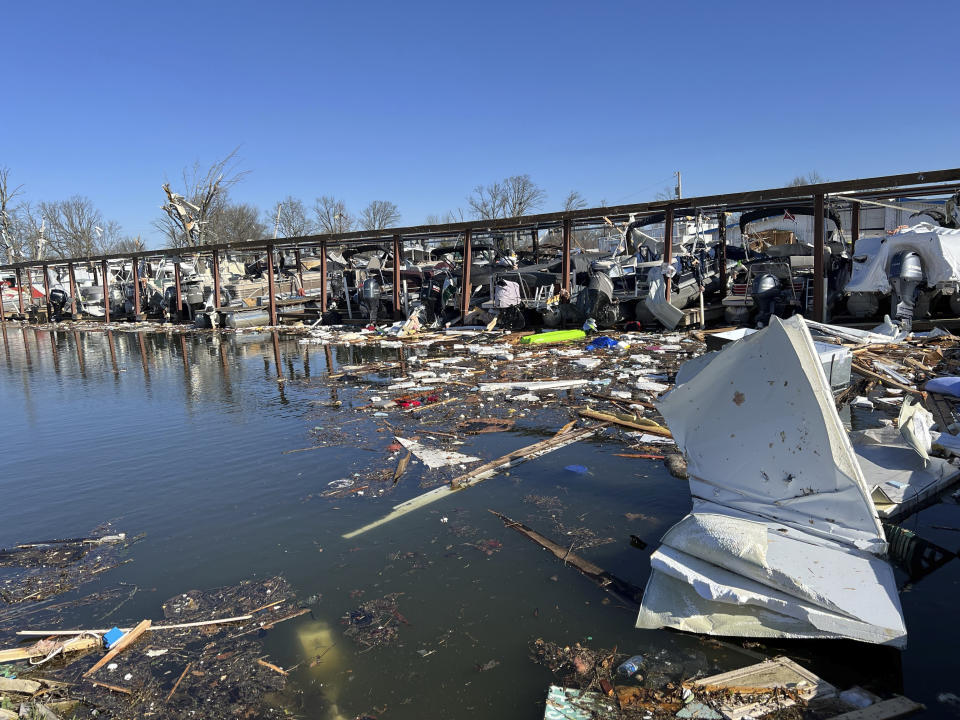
(601, 342)
(579, 469)
(111, 636)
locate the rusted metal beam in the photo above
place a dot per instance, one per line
(465, 289)
(46, 288)
(397, 258)
(818, 248)
(296, 259)
(20, 293)
(886, 185)
(271, 288)
(135, 264)
(566, 236)
(176, 283)
(29, 287)
(216, 279)
(73, 291)
(854, 226)
(105, 281)
(667, 247)
(722, 242)
(323, 278)
(535, 237)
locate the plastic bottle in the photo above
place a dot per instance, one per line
(630, 667)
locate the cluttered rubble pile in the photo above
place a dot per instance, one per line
(204, 659)
(774, 472)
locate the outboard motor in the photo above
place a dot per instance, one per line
(58, 299)
(765, 291)
(597, 301)
(371, 297)
(906, 277)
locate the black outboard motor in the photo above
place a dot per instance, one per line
(765, 291)
(58, 299)
(906, 277)
(596, 300)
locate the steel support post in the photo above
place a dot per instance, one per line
(465, 289)
(105, 281)
(216, 279)
(818, 269)
(397, 258)
(667, 248)
(271, 286)
(566, 239)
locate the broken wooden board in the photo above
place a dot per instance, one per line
(121, 645)
(635, 422)
(25, 687)
(41, 650)
(620, 589)
(478, 474)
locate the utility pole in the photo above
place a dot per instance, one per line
(679, 188)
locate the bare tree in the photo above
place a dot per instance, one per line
(7, 220)
(379, 215)
(191, 212)
(514, 196)
(811, 178)
(289, 218)
(332, 215)
(450, 216)
(237, 222)
(669, 192)
(523, 195)
(75, 227)
(574, 201)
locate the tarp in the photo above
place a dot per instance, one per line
(783, 539)
(938, 248)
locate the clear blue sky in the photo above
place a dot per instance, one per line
(419, 102)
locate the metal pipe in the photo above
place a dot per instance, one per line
(176, 283)
(106, 291)
(722, 237)
(667, 247)
(536, 245)
(3, 312)
(566, 236)
(271, 288)
(20, 293)
(323, 279)
(73, 291)
(135, 264)
(818, 246)
(216, 279)
(396, 275)
(465, 273)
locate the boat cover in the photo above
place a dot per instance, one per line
(939, 249)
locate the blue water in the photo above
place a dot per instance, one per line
(181, 437)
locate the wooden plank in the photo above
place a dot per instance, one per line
(32, 651)
(26, 687)
(883, 379)
(896, 707)
(121, 645)
(631, 421)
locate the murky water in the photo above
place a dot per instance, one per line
(182, 437)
